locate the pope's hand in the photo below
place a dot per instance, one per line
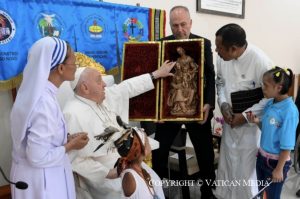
(164, 70)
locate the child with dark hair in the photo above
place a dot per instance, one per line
(137, 180)
(278, 124)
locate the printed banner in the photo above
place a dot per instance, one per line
(131, 24)
(96, 29)
(94, 32)
(13, 45)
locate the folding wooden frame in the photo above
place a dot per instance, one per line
(194, 50)
(140, 58)
(145, 57)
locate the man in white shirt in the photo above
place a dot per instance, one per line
(240, 67)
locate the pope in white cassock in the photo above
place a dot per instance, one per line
(94, 108)
(240, 67)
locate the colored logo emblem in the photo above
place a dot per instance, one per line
(50, 25)
(7, 28)
(94, 27)
(133, 29)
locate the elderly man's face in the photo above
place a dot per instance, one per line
(180, 23)
(96, 86)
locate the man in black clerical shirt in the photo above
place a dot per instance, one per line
(199, 132)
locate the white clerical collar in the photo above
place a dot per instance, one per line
(247, 50)
(86, 101)
(90, 102)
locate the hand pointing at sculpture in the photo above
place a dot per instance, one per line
(164, 70)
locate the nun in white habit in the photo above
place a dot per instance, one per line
(38, 129)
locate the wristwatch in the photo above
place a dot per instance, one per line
(152, 76)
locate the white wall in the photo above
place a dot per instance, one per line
(273, 25)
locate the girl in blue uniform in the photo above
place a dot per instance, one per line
(278, 125)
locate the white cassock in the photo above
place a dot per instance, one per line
(83, 115)
(239, 145)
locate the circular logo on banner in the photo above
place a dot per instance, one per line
(133, 29)
(7, 28)
(50, 24)
(94, 28)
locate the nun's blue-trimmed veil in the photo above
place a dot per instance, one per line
(44, 55)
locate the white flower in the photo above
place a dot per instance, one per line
(272, 121)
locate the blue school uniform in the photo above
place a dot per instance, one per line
(279, 123)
